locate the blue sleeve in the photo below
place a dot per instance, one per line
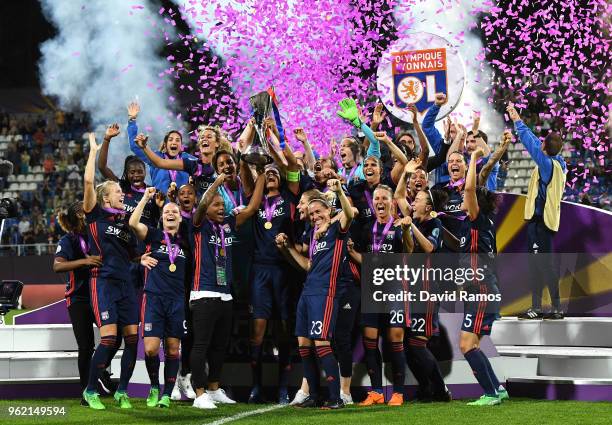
(64, 249)
(492, 179)
(132, 131)
(153, 234)
(436, 235)
(534, 147)
(431, 132)
(374, 148)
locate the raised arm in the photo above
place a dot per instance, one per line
(353, 253)
(378, 116)
(483, 176)
(111, 132)
(293, 170)
(424, 146)
(207, 198)
(246, 177)
(429, 128)
(246, 138)
(407, 239)
(139, 228)
(458, 141)
(167, 164)
(397, 153)
(295, 258)
(309, 159)
(89, 191)
(254, 203)
(469, 197)
(350, 113)
(132, 130)
(401, 194)
(347, 209)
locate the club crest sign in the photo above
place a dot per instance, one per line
(414, 69)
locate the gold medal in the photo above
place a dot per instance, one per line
(172, 268)
(268, 225)
(222, 252)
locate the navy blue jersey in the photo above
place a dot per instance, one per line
(160, 280)
(310, 183)
(282, 218)
(207, 248)
(359, 193)
(110, 237)
(150, 214)
(432, 230)
(453, 216)
(392, 242)
(77, 281)
(478, 236)
(329, 253)
(203, 174)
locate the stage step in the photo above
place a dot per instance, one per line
(34, 338)
(561, 388)
(578, 362)
(570, 332)
(39, 365)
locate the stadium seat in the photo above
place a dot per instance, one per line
(32, 186)
(516, 190)
(37, 169)
(23, 186)
(21, 177)
(29, 178)
(11, 178)
(3, 138)
(509, 182)
(38, 178)
(14, 186)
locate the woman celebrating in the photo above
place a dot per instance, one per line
(113, 297)
(163, 302)
(211, 291)
(479, 242)
(171, 148)
(318, 305)
(384, 238)
(72, 257)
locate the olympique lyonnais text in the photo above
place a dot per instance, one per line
(412, 275)
(403, 296)
(422, 60)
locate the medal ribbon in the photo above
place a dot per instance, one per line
(270, 208)
(377, 244)
(172, 250)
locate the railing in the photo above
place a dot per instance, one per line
(27, 249)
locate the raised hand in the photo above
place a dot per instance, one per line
(141, 141)
(349, 111)
(476, 122)
(133, 110)
(111, 131)
(406, 222)
(320, 231)
(93, 146)
(440, 99)
(172, 192)
(160, 199)
(415, 113)
(148, 193)
(378, 115)
(383, 137)
(506, 139)
(300, 134)
(412, 165)
(333, 148)
(478, 153)
(334, 185)
(514, 116)
(350, 245)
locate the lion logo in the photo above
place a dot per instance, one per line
(410, 90)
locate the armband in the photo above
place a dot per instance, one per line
(293, 176)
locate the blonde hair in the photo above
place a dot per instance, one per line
(215, 129)
(102, 190)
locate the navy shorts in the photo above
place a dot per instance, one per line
(316, 317)
(426, 323)
(162, 317)
(113, 302)
(478, 316)
(270, 292)
(393, 319)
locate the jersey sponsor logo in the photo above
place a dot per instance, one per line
(320, 246)
(104, 315)
(163, 249)
(59, 248)
(216, 240)
(277, 213)
(453, 207)
(119, 233)
(148, 327)
(130, 209)
(347, 306)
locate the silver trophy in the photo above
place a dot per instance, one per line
(258, 153)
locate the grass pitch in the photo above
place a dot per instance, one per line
(518, 411)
